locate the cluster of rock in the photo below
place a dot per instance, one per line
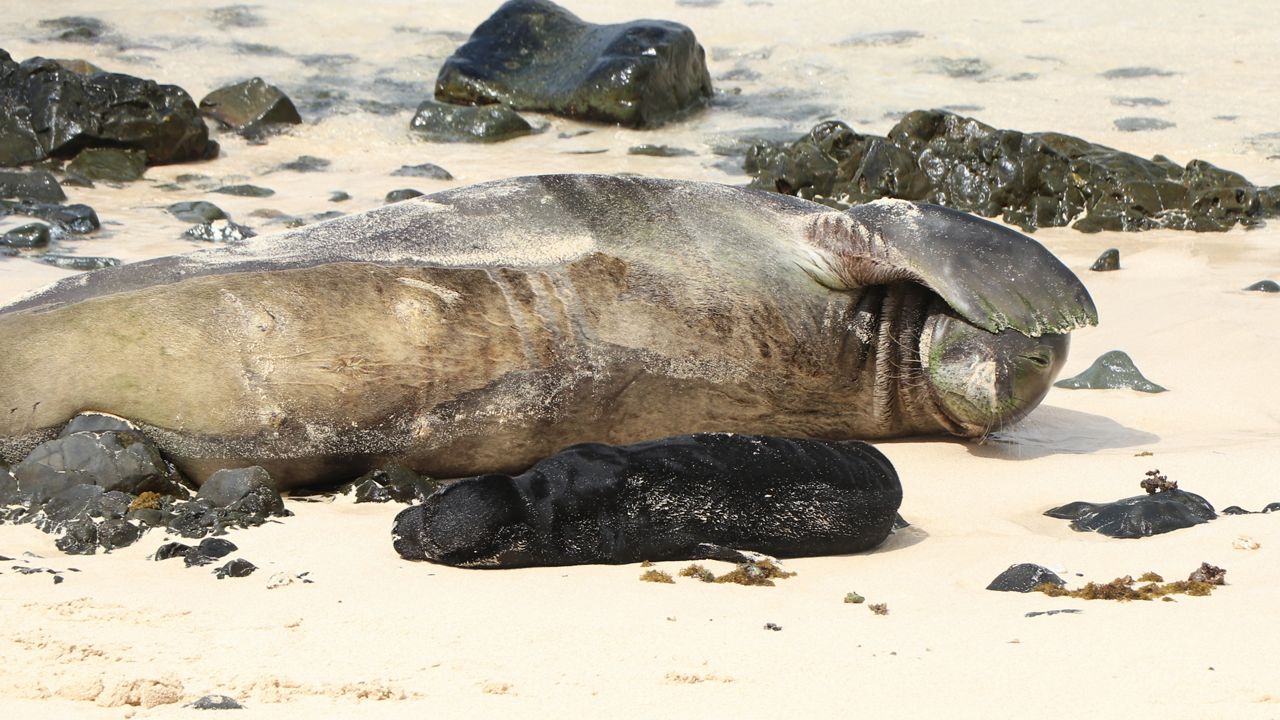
(535, 55)
(102, 484)
(1031, 180)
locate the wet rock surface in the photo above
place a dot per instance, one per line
(1023, 578)
(535, 55)
(237, 568)
(219, 231)
(402, 194)
(1268, 286)
(110, 164)
(48, 110)
(250, 108)
(425, 170)
(1111, 371)
(31, 235)
(101, 484)
(38, 185)
(1137, 516)
(1108, 261)
(1031, 180)
(438, 122)
(77, 219)
(197, 211)
(78, 262)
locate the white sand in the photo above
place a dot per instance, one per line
(374, 636)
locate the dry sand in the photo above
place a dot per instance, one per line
(374, 636)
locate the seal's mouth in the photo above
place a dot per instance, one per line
(981, 381)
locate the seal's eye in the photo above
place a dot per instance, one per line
(1038, 359)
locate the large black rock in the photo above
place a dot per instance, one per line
(110, 459)
(251, 107)
(48, 110)
(683, 497)
(1138, 516)
(1032, 180)
(535, 55)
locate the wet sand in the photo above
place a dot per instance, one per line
(374, 636)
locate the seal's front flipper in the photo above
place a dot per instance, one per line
(709, 551)
(991, 275)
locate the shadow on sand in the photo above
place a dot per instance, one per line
(1053, 431)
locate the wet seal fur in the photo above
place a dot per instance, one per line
(686, 497)
(483, 328)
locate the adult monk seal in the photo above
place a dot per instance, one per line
(483, 328)
(685, 497)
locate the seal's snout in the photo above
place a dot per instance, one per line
(981, 380)
(471, 523)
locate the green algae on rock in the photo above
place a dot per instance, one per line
(1112, 370)
(1031, 180)
(439, 122)
(110, 164)
(535, 55)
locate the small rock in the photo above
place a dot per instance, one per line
(402, 194)
(78, 262)
(81, 538)
(1138, 516)
(250, 490)
(250, 108)
(208, 550)
(245, 190)
(1207, 573)
(659, 151)
(197, 211)
(1113, 370)
(215, 702)
(339, 196)
(36, 185)
(1024, 577)
(110, 164)
(439, 122)
(223, 231)
(1245, 543)
(1142, 124)
(113, 534)
(171, 550)
(772, 626)
(425, 170)
(1107, 261)
(237, 568)
(1267, 286)
(30, 235)
(305, 164)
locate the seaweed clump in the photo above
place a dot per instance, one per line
(1123, 589)
(697, 571)
(879, 608)
(654, 575)
(759, 573)
(1155, 482)
(1042, 179)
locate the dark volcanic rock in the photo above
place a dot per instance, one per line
(425, 170)
(439, 122)
(392, 483)
(402, 194)
(1024, 577)
(245, 190)
(81, 538)
(1031, 180)
(112, 164)
(37, 185)
(689, 496)
(1112, 370)
(197, 211)
(65, 112)
(535, 55)
(1268, 286)
(78, 219)
(114, 534)
(339, 196)
(1137, 516)
(171, 550)
(216, 702)
(78, 262)
(237, 568)
(248, 490)
(250, 108)
(30, 235)
(1109, 260)
(306, 163)
(223, 231)
(111, 459)
(208, 550)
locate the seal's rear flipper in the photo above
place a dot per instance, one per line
(993, 276)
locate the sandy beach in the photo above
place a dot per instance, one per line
(374, 636)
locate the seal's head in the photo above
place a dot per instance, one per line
(981, 380)
(477, 522)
